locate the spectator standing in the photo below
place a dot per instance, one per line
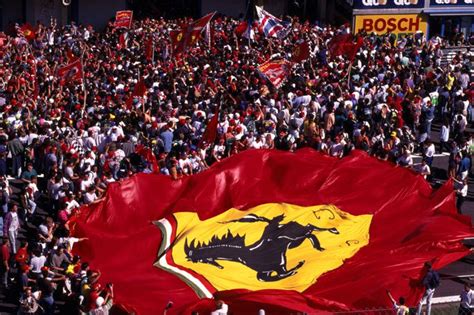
(467, 300)
(11, 226)
(430, 283)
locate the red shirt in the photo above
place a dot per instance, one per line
(21, 256)
(5, 253)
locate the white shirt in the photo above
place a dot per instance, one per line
(444, 135)
(423, 169)
(430, 150)
(15, 224)
(405, 160)
(37, 263)
(467, 299)
(257, 145)
(222, 311)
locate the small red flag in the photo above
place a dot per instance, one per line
(177, 41)
(210, 134)
(241, 28)
(197, 27)
(149, 156)
(343, 44)
(27, 31)
(71, 72)
(138, 91)
(189, 34)
(300, 52)
(123, 19)
(149, 49)
(70, 55)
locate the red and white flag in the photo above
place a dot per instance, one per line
(197, 27)
(123, 19)
(189, 34)
(123, 40)
(275, 71)
(71, 72)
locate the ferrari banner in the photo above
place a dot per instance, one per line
(273, 230)
(123, 19)
(253, 249)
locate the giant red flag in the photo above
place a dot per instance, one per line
(70, 72)
(276, 230)
(275, 71)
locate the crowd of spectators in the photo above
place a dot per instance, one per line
(61, 145)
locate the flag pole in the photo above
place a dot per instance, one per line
(349, 74)
(35, 79)
(83, 85)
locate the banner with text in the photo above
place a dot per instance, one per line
(389, 4)
(395, 23)
(451, 3)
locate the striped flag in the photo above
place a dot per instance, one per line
(271, 26)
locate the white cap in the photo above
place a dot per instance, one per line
(99, 301)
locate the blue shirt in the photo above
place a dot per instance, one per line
(464, 165)
(167, 137)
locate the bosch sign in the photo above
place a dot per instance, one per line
(397, 23)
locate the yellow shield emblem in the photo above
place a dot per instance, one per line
(179, 37)
(271, 246)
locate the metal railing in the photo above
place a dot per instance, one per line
(444, 309)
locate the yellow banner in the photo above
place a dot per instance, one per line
(396, 23)
(271, 246)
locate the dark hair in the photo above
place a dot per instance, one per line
(401, 300)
